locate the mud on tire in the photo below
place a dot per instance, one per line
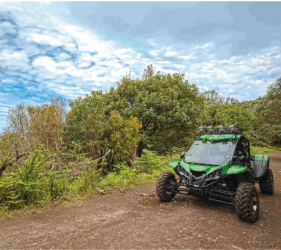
(267, 183)
(247, 202)
(163, 186)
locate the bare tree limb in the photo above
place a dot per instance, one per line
(8, 160)
(98, 158)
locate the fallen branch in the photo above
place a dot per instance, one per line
(98, 158)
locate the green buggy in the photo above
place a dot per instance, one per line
(219, 167)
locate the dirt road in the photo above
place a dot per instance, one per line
(135, 219)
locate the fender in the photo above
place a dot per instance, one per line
(174, 163)
(261, 165)
(237, 169)
(241, 173)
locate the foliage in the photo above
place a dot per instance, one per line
(266, 111)
(260, 119)
(148, 160)
(121, 136)
(30, 183)
(94, 133)
(223, 114)
(168, 106)
(35, 183)
(277, 133)
(214, 97)
(148, 167)
(273, 103)
(255, 150)
(41, 124)
(84, 122)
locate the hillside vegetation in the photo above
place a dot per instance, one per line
(122, 137)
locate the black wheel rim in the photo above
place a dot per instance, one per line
(254, 203)
(169, 187)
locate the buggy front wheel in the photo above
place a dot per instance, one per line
(247, 202)
(165, 188)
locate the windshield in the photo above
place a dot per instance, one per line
(210, 153)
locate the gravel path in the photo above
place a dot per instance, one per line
(136, 219)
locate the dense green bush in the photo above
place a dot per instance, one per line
(31, 183)
(91, 131)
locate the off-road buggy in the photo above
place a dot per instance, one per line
(219, 167)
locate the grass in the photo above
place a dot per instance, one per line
(263, 150)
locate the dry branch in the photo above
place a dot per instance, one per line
(8, 160)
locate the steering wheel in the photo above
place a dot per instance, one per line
(243, 156)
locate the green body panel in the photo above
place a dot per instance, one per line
(262, 158)
(207, 169)
(198, 168)
(225, 169)
(174, 163)
(219, 137)
(236, 169)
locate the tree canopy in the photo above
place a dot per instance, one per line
(168, 107)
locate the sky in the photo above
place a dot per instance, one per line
(68, 49)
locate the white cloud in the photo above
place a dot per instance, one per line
(186, 57)
(153, 52)
(4, 109)
(179, 66)
(163, 62)
(171, 53)
(45, 62)
(203, 46)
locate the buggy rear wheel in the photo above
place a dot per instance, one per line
(164, 186)
(247, 202)
(267, 183)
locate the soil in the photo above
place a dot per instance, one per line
(136, 219)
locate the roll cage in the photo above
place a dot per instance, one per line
(242, 146)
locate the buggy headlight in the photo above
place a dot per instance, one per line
(231, 128)
(220, 128)
(216, 174)
(210, 128)
(201, 129)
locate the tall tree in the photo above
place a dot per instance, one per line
(273, 107)
(168, 106)
(214, 97)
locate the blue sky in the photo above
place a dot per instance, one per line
(68, 49)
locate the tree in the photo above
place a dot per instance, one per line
(41, 124)
(168, 106)
(269, 110)
(28, 127)
(273, 105)
(214, 97)
(91, 130)
(223, 114)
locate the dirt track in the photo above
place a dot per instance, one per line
(135, 219)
